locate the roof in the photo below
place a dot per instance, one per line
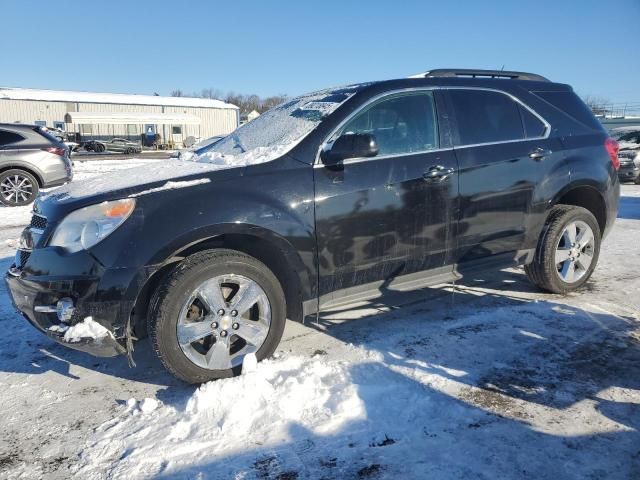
(121, 118)
(9, 93)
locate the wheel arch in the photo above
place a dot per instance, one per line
(587, 196)
(28, 169)
(268, 247)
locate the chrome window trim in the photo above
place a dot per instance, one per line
(349, 161)
(318, 163)
(519, 102)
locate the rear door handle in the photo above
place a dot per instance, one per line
(539, 154)
(437, 173)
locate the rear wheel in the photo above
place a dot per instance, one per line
(214, 309)
(567, 252)
(17, 188)
(99, 148)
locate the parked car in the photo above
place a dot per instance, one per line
(629, 154)
(30, 159)
(61, 136)
(119, 145)
(334, 197)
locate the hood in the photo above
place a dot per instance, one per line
(132, 182)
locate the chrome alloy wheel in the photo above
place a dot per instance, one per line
(16, 188)
(224, 319)
(574, 252)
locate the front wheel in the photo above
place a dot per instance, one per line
(214, 309)
(567, 251)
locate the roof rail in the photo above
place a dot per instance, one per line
(465, 72)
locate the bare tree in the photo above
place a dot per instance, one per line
(246, 103)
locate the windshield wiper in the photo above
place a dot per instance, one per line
(238, 143)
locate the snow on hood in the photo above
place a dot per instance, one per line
(132, 178)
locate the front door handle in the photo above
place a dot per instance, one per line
(539, 154)
(437, 173)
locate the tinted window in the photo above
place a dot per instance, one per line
(9, 137)
(533, 126)
(402, 123)
(485, 117)
(571, 104)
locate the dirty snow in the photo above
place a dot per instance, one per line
(488, 378)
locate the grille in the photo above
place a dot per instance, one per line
(21, 257)
(38, 222)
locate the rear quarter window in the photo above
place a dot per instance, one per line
(573, 106)
(7, 138)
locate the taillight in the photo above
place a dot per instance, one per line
(612, 149)
(56, 150)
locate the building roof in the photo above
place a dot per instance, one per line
(119, 98)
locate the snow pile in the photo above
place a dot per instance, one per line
(172, 186)
(252, 157)
(88, 328)
(260, 407)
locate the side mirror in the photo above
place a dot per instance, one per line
(350, 145)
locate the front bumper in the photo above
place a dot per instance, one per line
(48, 275)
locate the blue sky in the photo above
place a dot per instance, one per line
(296, 46)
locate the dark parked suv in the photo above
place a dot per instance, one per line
(30, 159)
(327, 199)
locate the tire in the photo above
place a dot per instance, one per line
(555, 244)
(175, 300)
(128, 151)
(26, 191)
(99, 148)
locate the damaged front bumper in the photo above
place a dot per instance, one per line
(46, 277)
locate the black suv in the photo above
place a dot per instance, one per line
(327, 199)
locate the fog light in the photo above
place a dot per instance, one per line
(65, 309)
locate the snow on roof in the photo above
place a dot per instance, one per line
(120, 98)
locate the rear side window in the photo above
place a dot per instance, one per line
(533, 126)
(7, 138)
(486, 117)
(571, 104)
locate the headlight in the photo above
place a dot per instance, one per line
(87, 226)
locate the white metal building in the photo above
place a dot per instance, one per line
(107, 115)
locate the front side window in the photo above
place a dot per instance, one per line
(402, 123)
(486, 117)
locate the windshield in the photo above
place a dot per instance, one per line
(276, 131)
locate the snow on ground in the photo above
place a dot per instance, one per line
(485, 379)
